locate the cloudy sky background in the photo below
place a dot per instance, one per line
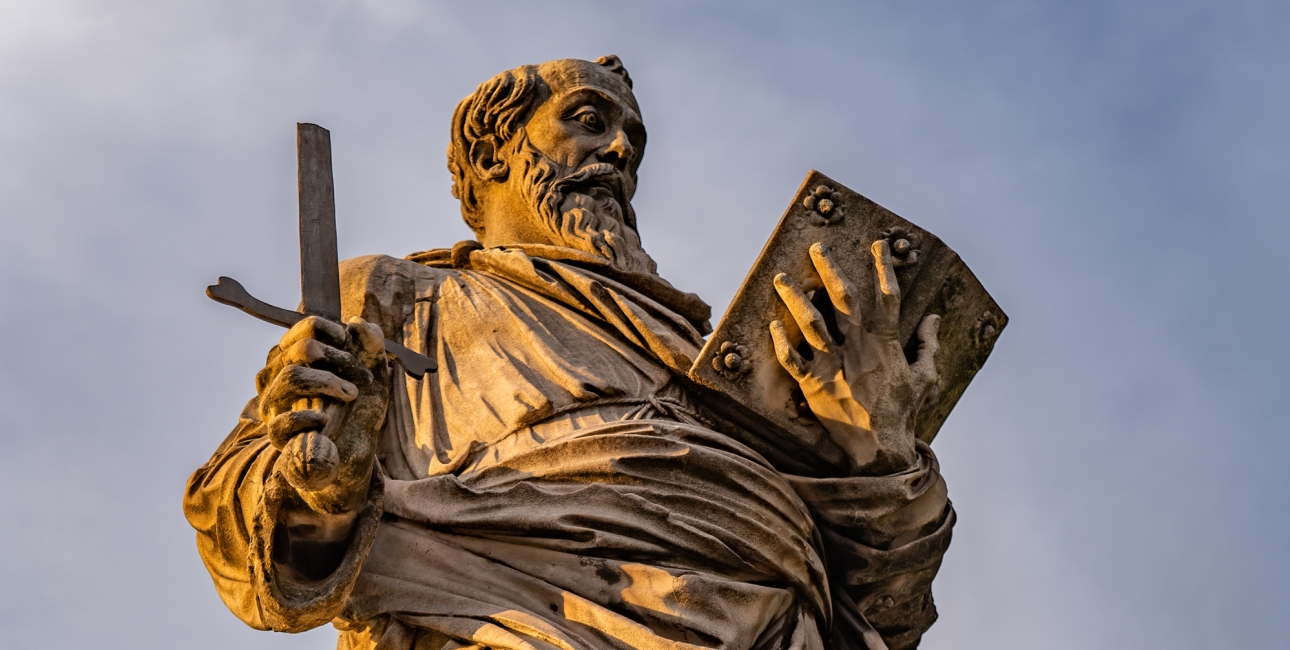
(1114, 172)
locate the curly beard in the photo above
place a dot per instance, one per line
(588, 209)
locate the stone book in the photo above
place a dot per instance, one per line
(739, 364)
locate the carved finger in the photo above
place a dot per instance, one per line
(887, 319)
(285, 426)
(841, 292)
(316, 354)
(788, 357)
(807, 316)
(370, 339)
(298, 382)
(929, 345)
(310, 461)
(314, 327)
(272, 366)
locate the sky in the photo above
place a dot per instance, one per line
(1115, 173)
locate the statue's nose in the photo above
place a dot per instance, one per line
(619, 152)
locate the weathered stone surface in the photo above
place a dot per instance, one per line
(571, 477)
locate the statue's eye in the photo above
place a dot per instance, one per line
(589, 118)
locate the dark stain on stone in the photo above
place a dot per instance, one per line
(603, 570)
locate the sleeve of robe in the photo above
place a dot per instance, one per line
(884, 537)
(234, 500)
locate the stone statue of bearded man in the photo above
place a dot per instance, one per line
(556, 484)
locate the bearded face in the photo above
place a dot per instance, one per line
(587, 209)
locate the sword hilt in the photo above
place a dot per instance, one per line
(231, 292)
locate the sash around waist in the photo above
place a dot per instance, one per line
(651, 491)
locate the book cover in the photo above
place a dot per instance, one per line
(739, 360)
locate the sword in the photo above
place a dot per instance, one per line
(319, 266)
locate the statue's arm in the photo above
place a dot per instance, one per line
(884, 537)
(244, 512)
(220, 502)
(284, 519)
(886, 525)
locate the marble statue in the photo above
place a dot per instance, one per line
(557, 482)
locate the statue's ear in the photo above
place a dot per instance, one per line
(485, 158)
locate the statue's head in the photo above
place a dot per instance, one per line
(547, 154)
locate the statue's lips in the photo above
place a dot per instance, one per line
(598, 181)
(601, 188)
(601, 192)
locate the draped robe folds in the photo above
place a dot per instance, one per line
(555, 486)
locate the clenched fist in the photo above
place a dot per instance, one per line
(323, 394)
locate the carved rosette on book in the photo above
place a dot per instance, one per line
(731, 360)
(825, 204)
(739, 359)
(904, 245)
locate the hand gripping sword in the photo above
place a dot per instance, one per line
(319, 267)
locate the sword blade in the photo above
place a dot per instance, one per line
(319, 266)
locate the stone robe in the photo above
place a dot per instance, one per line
(556, 485)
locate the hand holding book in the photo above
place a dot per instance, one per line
(857, 381)
(810, 370)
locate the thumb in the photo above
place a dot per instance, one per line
(370, 340)
(924, 366)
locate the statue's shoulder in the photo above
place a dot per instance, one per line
(383, 268)
(383, 289)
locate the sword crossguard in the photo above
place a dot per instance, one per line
(231, 292)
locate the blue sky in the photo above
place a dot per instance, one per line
(1114, 172)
